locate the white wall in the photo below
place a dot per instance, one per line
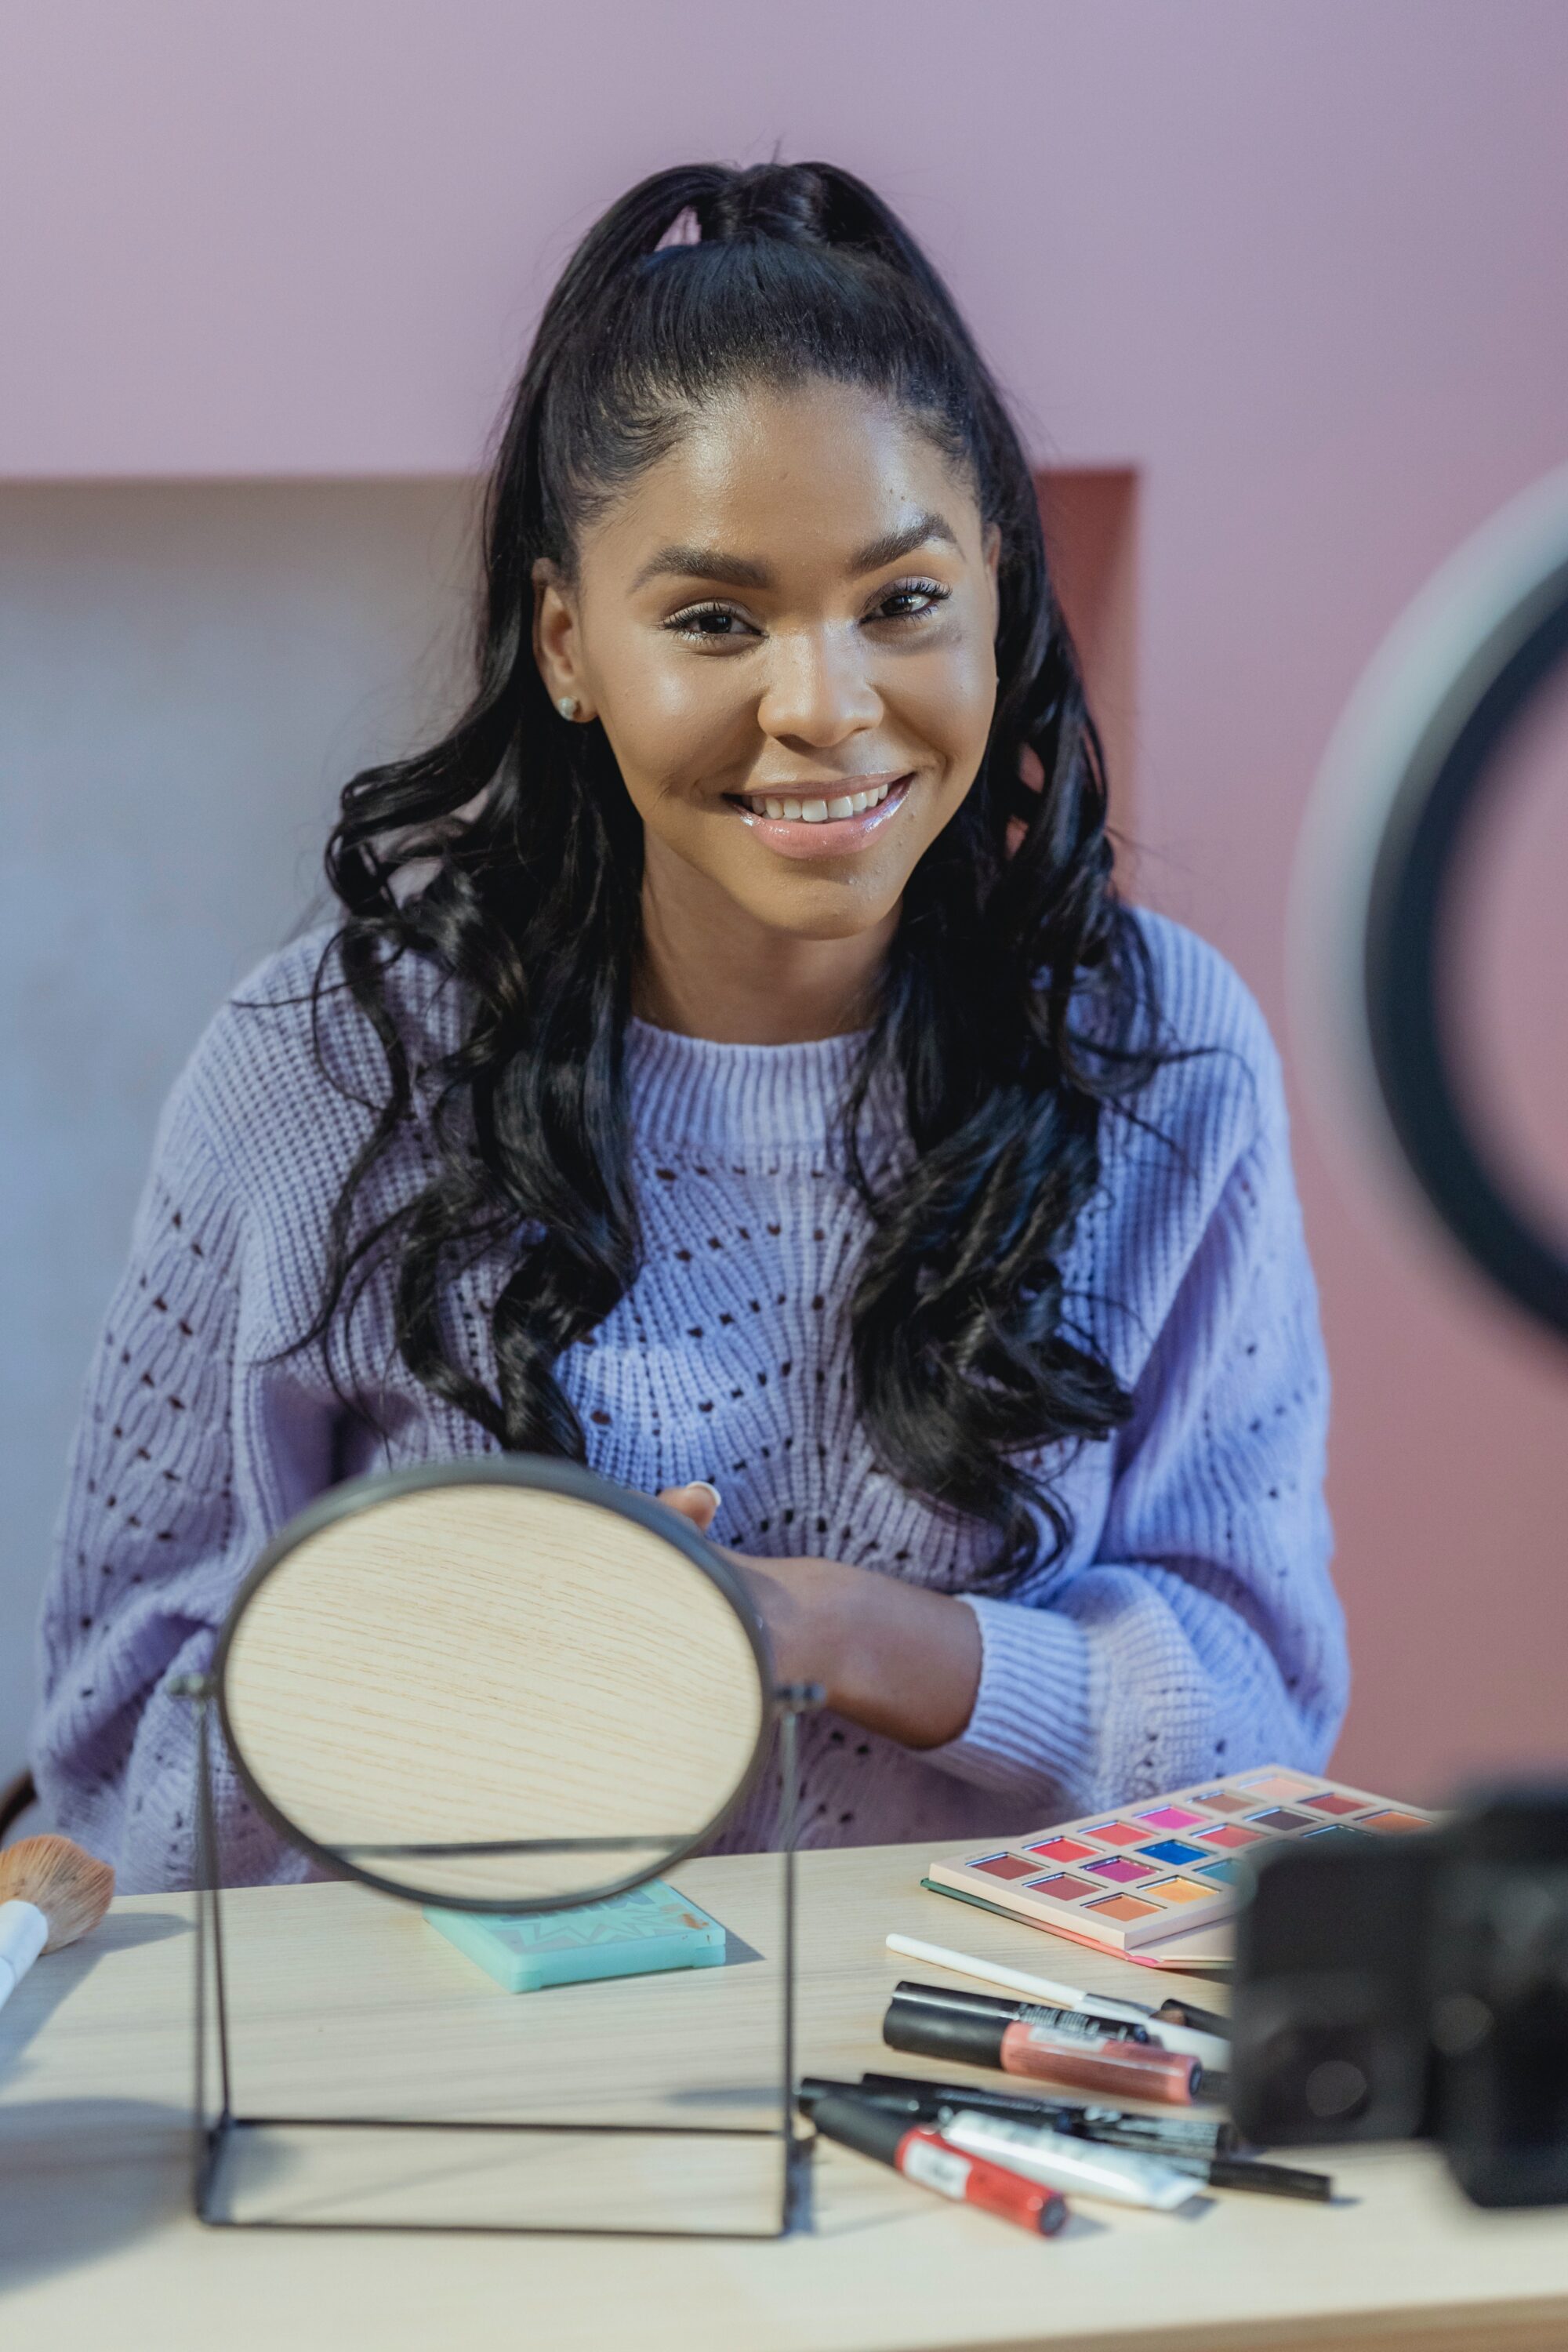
(187, 674)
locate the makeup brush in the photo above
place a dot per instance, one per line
(51, 1892)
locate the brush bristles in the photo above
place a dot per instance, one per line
(70, 1886)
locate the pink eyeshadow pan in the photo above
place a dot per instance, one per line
(1171, 1817)
(1117, 1833)
(1331, 1801)
(1121, 1867)
(1062, 1887)
(1061, 1849)
(1004, 1865)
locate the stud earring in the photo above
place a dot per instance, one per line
(568, 705)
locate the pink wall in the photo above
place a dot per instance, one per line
(1302, 264)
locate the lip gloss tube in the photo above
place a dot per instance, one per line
(1112, 2020)
(1119, 2070)
(1083, 2024)
(920, 2154)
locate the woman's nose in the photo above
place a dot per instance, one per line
(817, 691)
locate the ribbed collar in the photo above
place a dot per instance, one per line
(686, 1089)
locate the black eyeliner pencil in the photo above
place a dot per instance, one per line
(1197, 2135)
(1175, 2141)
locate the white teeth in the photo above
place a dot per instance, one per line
(817, 811)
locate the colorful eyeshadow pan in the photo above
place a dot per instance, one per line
(1121, 1867)
(1280, 1785)
(1172, 1817)
(1123, 1906)
(1230, 1835)
(1173, 1853)
(1385, 1821)
(1279, 1819)
(1004, 1865)
(1331, 1801)
(1224, 1801)
(1180, 1890)
(1224, 1871)
(1117, 1833)
(1063, 1888)
(1061, 1849)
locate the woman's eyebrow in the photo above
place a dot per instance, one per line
(894, 544)
(677, 562)
(703, 564)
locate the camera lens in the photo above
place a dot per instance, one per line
(1335, 2089)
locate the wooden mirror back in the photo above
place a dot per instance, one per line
(491, 1691)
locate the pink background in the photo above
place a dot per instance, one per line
(1301, 265)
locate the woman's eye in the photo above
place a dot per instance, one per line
(911, 600)
(712, 622)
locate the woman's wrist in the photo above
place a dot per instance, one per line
(895, 1657)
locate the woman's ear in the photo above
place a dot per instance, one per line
(557, 647)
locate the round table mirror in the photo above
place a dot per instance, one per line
(502, 1686)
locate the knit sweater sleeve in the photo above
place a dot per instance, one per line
(158, 1526)
(1204, 1634)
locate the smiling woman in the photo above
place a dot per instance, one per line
(798, 694)
(733, 1069)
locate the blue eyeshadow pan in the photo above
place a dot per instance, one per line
(1174, 1851)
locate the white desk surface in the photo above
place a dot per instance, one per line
(344, 2002)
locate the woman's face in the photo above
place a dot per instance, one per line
(786, 629)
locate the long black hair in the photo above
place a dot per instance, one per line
(1016, 1003)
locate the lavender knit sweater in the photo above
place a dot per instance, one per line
(1192, 1627)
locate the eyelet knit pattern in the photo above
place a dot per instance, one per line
(1191, 1628)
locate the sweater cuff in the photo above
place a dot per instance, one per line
(1031, 1733)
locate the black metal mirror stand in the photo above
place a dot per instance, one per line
(216, 2136)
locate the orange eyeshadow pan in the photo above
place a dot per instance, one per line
(1280, 1786)
(1117, 1833)
(1331, 1801)
(1224, 1800)
(1231, 1834)
(1123, 1906)
(1180, 1890)
(1385, 1821)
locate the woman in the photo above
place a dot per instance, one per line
(733, 1066)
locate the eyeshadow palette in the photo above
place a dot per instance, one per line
(1125, 1881)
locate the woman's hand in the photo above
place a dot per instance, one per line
(893, 1658)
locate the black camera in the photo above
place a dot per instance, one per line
(1415, 1989)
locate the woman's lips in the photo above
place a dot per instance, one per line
(832, 837)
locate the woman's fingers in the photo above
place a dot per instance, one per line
(698, 1502)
